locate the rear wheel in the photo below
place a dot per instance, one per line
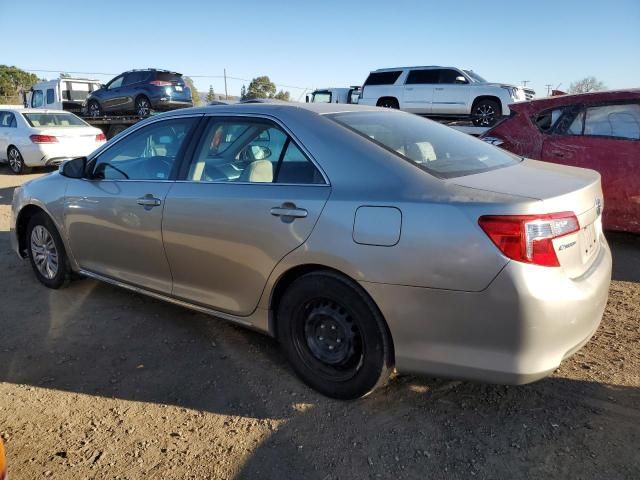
(143, 106)
(334, 336)
(388, 103)
(16, 162)
(94, 109)
(46, 252)
(485, 113)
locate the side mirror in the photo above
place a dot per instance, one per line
(461, 79)
(74, 168)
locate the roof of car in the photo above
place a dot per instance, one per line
(273, 108)
(414, 66)
(20, 109)
(570, 99)
(151, 70)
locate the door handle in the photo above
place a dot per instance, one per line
(558, 153)
(439, 88)
(408, 88)
(289, 212)
(149, 201)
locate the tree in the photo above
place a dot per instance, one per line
(243, 93)
(13, 83)
(281, 95)
(587, 84)
(261, 87)
(195, 96)
(211, 96)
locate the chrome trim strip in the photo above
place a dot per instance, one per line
(160, 296)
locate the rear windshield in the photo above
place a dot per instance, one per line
(54, 120)
(435, 148)
(169, 77)
(383, 78)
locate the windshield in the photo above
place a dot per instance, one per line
(474, 76)
(54, 120)
(435, 148)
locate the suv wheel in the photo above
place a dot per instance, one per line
(485, 113)
(143, 107)
(93, 109)
(334, 336)
(388, 103)
(16, 162)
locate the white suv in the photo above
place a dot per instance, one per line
(441, 92)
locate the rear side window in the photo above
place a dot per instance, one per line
(169, 77)
(7, 119)
(620, 121)
(422, 77)
(54, 120)
(51, 98)
(135, 77)
(383, 78)
(430, 146)
(547, 119)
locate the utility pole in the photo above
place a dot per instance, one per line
(548, 85)
(226, 94)
(524, 82)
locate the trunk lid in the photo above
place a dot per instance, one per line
(556, 188)
(73, 136)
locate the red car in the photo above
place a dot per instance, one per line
(599, 130)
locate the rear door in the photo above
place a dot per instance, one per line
(418, 91)
(113, 218)
(451, 96)
(131, 87)
(605, 138)
(250, 195)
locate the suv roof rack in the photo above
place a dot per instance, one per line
(413, 66)
(152, 70)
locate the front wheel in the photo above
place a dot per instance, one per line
(46, 252)
(485, 113)
(334, 336)
(16, 162)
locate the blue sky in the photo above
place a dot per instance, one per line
(327, 43)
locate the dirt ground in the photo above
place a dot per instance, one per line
(101, 383)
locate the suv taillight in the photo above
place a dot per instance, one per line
(160, 83)
(43, 139)
(529, 238)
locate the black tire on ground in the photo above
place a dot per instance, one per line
(15, 161)
(143, 106)
(94, 109)
(46, 252)
(354, 356)
(388, 103)
(485, 113)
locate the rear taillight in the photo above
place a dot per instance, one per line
(101, 137)
(43, 139)
(529, 238)
(160, 83)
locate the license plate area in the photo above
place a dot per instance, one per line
(588, 241)
(178, 88)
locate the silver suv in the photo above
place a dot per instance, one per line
(441, 92)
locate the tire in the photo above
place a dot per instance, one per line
(355, 356)
(42, 239)
(15, 161)
(388, 103)
(94, 109)
(485, 113)
(143, 106)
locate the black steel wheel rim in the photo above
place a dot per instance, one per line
(328, 339)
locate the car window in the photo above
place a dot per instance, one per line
(576, 125)
(428, 145)
(422, 77)
(116, 83)
(37, 99)
(321, 97)
(169, 77)
(75, 91)
(146, 154)
(249, 150)
(50, 96)
(134, 77)
(547, 119)
(7, 120)
(448, 75)
(383, 78)
(620, 121)
(54, 120)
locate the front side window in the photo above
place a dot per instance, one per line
(149, 153)
(620, 121)
(54, 120)
(50, 96)
(422, 77)
(448, 75)
(430, 146)
(37, 99)
(249, 151)
(116, 83)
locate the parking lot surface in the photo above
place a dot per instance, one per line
(97, 382)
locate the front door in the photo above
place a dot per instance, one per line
(113, 218)
(114, 99)
(249, 197)
(605, 138)
(451, 95)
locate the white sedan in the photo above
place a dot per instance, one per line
(40, 138)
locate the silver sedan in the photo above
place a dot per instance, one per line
(363, 239)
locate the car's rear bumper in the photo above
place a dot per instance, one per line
(167, 103)
(516, 331)
(44, 155)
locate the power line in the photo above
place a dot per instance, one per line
(190, 76)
